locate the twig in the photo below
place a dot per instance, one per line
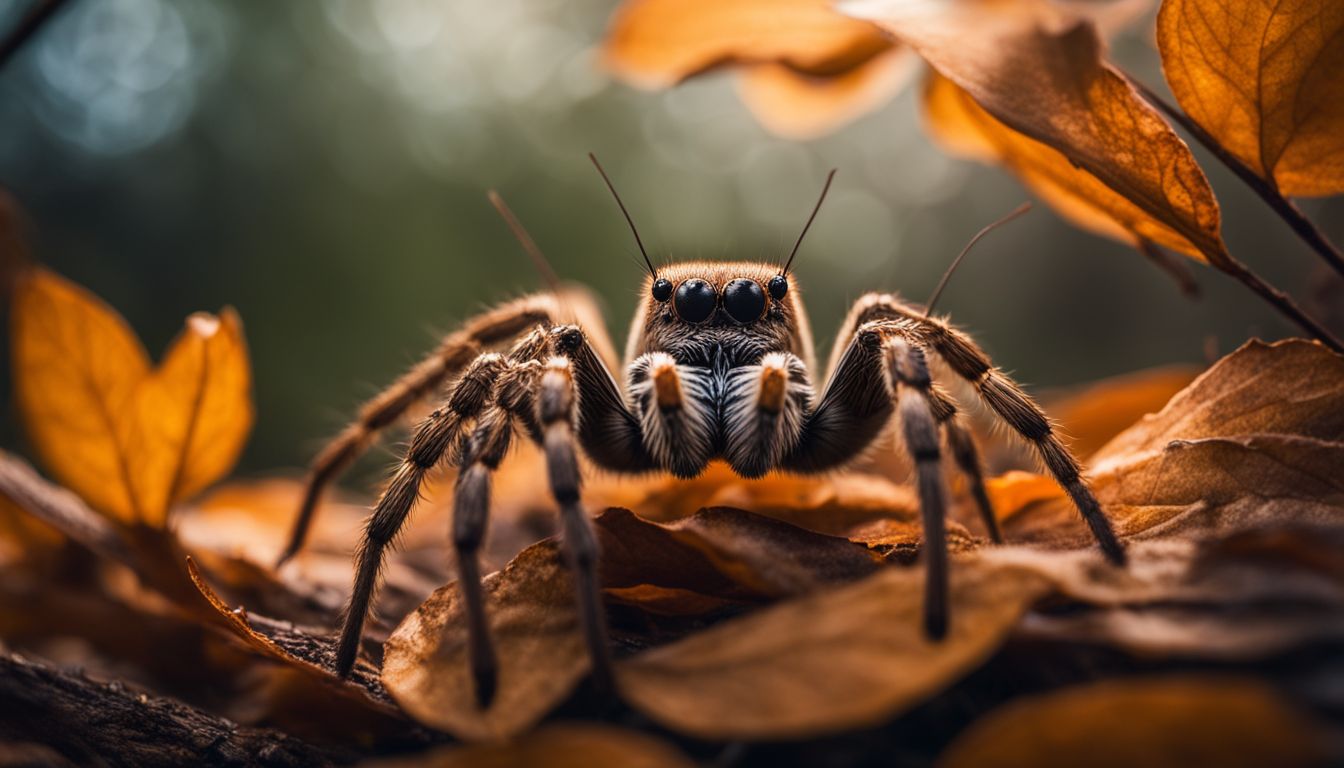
(1285, 208)
(108, 723)
(28, 26)
(1174, 266)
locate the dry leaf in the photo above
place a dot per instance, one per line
(659, 43)
(129, 440)
(561, 745)
(1091, 415)
(844, 659)
(800, 106)
(1266, 79)
(1170, 721)
(535, 628)
(1256, 594)
(1039, 72)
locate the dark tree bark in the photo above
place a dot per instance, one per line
(93, 723)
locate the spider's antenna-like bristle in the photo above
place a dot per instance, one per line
(524, 239)
(647, 261)
(829, 177)
(1018, 211)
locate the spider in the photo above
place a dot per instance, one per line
(720, 362)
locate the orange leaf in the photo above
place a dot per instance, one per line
(1040, 74)
(1173, 721)
(658, 43)
(801, 106)
(1266, 80)
(129, 440)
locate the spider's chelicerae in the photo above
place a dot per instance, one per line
(719, 366)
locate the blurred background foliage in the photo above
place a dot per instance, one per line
(322, 166)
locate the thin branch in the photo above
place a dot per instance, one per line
(40, 13)
(1174, 266)
(1285, 208)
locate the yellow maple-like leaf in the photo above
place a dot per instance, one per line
(1266, 79)
(130, 440)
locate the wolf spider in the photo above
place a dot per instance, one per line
(720, 367)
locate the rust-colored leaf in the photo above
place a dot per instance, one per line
(838, 660)
(1172, 721)
(797, 105)
(1038, 72)
(561, 745)
(1266, 79)
(130, 440)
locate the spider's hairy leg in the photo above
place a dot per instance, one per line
(556, 405)
(455, 351)
(1015, 407)
(674, 414)
(432, 439)
(908, 373)
(481, 455)
(964, 451)
(765, 406)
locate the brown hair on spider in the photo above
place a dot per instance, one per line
(718, 365)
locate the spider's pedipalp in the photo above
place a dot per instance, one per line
(764, 406)
(676, 419)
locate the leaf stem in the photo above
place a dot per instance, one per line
(38, 15)
(1282, 302)
(1175, 267)
(1285, 208)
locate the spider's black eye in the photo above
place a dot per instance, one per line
(695, 300)
(744, 300)
(662, 290)
(778, 285)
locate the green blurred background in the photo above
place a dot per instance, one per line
(322, 166)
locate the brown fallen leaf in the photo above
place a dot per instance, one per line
(843, 659)
(535, 629)
(559, 745)
(1172, 721)
(698, 566)
(1267, 81)
(130, 440)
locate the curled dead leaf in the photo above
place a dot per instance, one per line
(1170, 721)
(1040, 98)
(1267, 81)
(130, 440)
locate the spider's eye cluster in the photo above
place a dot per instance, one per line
(743, 300)
(695, 300)
(662, 290)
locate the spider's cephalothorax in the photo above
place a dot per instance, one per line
(719, 364)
